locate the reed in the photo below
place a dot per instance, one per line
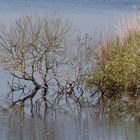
(117, 73)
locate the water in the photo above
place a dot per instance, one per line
(87, 16)
(59, 126)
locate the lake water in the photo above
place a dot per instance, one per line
(87, 16)
(64, 126)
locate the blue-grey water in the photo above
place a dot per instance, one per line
(64, 126)
(87, 16)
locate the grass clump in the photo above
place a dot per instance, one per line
(116, 75)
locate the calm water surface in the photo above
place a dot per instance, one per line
(63, 126)
(86, 15)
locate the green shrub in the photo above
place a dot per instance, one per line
(117, 71)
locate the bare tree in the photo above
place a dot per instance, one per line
(31, 50)
(72, 90)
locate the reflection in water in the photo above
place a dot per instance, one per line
(62, 126)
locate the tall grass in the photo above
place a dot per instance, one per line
(117, 73)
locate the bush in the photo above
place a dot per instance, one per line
(116, 75)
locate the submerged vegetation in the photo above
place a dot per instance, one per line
(52, 69)
(117, 73)
(45, 64)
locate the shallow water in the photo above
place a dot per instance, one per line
(87, 15)
(63, 126)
